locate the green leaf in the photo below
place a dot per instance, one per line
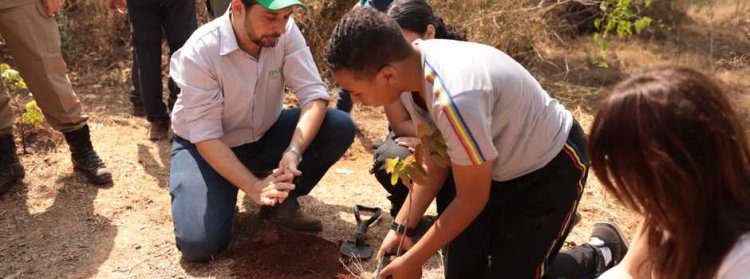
(624, 4)
(438, 142)
(398, 170)
(404, 178)
(610, 25)
(642, 24)
(394, 178)
(414, 174)
(602, 63)
(439, 160)
(418, 151)
(409, 160)
(399, 167)
(441, 152)
(424, 129)
(390, 164)
(598, 23)
(32, 114)
(624, 28)
(648, 3)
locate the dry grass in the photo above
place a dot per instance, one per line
(56, 225)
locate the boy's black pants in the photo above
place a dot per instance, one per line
(525, 221)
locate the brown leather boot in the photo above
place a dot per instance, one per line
(11, 170)
(291, 217)
(85, 159)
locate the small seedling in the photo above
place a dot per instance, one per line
(12, 78)
(410, 169)
(31, 114)
(621, 16)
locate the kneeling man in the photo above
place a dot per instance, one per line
(232, 133)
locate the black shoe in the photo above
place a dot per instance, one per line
(607, 234)
(11, 170)
(85, 159)
(291, 217)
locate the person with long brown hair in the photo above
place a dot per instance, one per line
(668, 145)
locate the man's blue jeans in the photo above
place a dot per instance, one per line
(203, 202)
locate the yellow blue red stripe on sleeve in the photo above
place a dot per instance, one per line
(453, 114)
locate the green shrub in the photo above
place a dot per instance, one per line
(623, 17)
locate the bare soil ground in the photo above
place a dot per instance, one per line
(55, 225)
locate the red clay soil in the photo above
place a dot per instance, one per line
(284, 254)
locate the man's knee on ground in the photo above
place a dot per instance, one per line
(201, 249)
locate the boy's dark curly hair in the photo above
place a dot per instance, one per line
(365, 41)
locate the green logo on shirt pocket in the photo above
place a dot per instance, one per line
(275, 74)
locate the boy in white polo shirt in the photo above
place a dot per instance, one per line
(516, 155)
(231, 130)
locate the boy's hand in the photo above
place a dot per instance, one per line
(402, 268)
(273, 189)
(391, 242)
(52, 6)
(408, 142)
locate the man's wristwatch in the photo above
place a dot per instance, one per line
(399, 228)
(296, 152)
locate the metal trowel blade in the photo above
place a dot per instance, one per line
(351, 250)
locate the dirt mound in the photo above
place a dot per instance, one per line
(283, 254)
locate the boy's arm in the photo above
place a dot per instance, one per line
(400, 120)
(468, 139)
(464, 122)
(472, 193)
(421, 196)
(413, 208)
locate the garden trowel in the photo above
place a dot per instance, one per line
(358, 249)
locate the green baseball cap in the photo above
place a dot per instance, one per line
(281, 4)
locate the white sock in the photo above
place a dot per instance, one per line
(606, 253)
